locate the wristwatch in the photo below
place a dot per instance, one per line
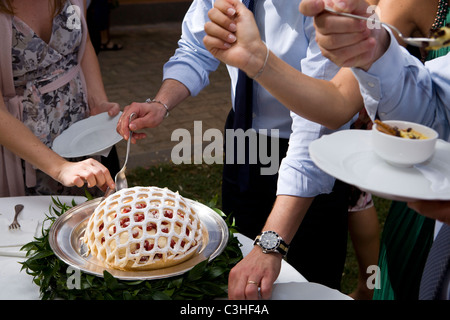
(270, 241)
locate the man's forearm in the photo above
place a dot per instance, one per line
(172, 93)
(287, 215)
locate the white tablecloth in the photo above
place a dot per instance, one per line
(16, 284)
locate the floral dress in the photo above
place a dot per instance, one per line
(48, 111)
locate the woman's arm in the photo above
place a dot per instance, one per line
(233, 37)
(97, 98)
(16, 137)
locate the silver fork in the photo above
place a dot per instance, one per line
(15, 224)
(414, 41)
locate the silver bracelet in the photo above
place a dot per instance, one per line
(161, 103)
(265, 62)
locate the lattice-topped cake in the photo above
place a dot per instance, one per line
(143, 228)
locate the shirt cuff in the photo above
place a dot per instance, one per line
(186, 75)
(303, 179)
(380, 77)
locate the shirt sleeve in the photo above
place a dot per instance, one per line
(399, 87)
(298, 175)
(192, 62)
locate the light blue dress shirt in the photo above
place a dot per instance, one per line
(290, 36)
(399, 87)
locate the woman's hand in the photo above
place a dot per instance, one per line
(112, 108)
(88, 171)
(233, 36)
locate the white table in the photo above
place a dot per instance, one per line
(16, 284)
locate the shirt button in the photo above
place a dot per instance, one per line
(371, 84)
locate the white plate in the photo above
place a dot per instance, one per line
(306, 291)
(88, 137)
(348, 156)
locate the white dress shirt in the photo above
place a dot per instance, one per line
(290, 36)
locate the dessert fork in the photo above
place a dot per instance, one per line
(414, 41)
(15, 224)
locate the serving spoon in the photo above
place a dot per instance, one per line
(121, 179)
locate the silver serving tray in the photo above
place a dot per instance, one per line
(66, 240)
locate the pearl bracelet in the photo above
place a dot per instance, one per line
(161, 103)
(264, 65)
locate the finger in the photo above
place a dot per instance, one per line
(311, 8)
(77, 181)
(236, 284)
(227, 7)
(355, 6)
(123, 124)
(101, 176)
(114, 109)
(352, 56)
(215, 31)
(215, 46)
(89, 178)
(337, 41)
(137, 136)
(223, 19)
(119, 128)
(150, 120)
(108, 180)
(266, 287)
(252, 289)
(99, 172)
(330, 24)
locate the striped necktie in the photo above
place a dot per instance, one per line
(437, 266)
(243, 110)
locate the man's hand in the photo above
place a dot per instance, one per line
(256, 270)
(438, 210)
(148, 115)
(346, 41)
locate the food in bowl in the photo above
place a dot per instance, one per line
(442, 36)
(143, 228)
(408, 133)
(389, 143)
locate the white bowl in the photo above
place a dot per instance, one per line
(404, 152)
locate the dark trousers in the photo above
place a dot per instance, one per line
(318, 250)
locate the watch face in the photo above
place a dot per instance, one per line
(269, 240)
